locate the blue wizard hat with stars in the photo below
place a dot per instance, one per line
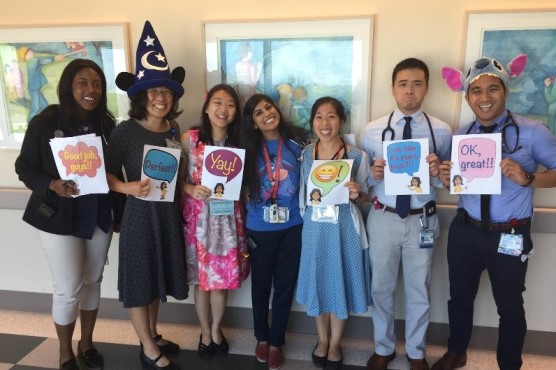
(151, 68)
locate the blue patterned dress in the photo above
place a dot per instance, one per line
(335, 273)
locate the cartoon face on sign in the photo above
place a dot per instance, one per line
(223, 163)
(330, 174)
(160, 165)
(81, 160)
(476, 158)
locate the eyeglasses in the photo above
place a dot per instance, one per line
(155, 93)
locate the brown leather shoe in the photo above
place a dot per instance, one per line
(450, 361)
(378, 362)
(275, 359)
(261, 351)
(418, 364)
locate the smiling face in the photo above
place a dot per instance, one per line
(487, 98)
(86, 88)
(221, 109)
(326, 123)
(409, 90)
(159, 102)
(326, 173)
(266, 119)
(414, 182)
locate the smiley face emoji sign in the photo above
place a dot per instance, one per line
(329, 174)
(326, 173)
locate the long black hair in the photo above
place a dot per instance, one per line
(68, 109)
(251, 140)
(205, 129)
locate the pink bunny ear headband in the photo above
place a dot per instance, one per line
(484, 66)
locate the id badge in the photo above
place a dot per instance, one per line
(276, 215)
(221, 207)
(426, 238)
(327, 213)
(511, 244)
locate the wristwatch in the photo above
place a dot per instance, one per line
(530, 178)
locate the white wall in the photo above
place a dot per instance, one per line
(431, 30)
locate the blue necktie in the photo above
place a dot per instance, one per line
(403, 201)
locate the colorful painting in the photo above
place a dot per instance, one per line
(295, 63)
(533, 93)
(293, 72)
(33, 60)
(503, 36)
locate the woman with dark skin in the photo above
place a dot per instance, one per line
(75, 232)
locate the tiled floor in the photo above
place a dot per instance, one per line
(28, 341)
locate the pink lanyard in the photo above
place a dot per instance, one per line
(274, 178)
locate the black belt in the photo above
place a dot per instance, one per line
(412, 212)
(493, 226)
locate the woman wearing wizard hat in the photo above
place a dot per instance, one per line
(151, 253)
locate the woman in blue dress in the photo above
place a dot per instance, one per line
(334, 273)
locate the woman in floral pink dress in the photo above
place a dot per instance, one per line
(215, 246)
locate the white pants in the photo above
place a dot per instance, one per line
(76, 267)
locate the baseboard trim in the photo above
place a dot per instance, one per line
(358, 327)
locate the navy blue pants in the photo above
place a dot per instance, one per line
(470, 251)
(274, 264)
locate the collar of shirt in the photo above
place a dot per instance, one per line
(399, 121)
(500, 120)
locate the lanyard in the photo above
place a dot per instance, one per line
(274, 178)
(343, 146)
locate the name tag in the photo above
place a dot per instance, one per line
(328, 213)
(221, 207)
(276, 215)
(511, 244)
(426, 239)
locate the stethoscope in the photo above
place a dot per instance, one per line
(393, 133)
(509, 122)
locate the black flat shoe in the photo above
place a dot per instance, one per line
(70, 365)
(170, 348)
(318, 360)
(148, 363)
(335, 365)
(92, 358)
(222, 348)
(205, 351)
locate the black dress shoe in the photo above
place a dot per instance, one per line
(70, 365)
(148, 363)
(170, 348)
(92, 358)
(222, 348)
(319, 361)
(205, 351)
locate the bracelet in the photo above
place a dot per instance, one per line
(358, 199)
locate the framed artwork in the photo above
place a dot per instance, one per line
(504, 35)
(33, 58)
(295, 62)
